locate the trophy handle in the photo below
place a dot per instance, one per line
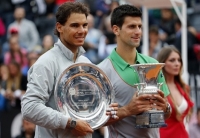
(159, 85)
(136, 86)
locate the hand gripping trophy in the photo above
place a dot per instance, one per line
(148, 84)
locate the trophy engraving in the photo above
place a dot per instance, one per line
(84, 92)
(148, 84)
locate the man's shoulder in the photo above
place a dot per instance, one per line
(147, 59)
(105, 63)
(49, 56)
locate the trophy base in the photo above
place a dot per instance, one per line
(150, 119)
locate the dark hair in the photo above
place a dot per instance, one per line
(119, 14)
(66, 9)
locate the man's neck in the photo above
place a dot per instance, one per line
(127, 53)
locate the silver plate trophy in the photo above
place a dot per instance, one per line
(84, 92)
(148, 84)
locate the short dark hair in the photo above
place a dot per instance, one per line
(66, 9)
(118, 15)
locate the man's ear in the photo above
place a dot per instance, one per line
(115, 29)
(59, 27)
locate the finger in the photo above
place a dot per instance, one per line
(115, 117)
(113, 112)
(161, 93)
(112, 109)
(159, 98)
(113, 105)
(145, 97)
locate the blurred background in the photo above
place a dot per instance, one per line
(26, 32)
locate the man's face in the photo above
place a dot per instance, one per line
(74, 31)
(130, 32)
(19, 13)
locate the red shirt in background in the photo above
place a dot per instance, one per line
(59, 2)
(175, 128)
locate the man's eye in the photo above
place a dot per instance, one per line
(74, 25)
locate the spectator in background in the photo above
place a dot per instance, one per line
(4, 75)
(155, 43)
(28, 33)
(2, 30)
(16, 53)
(179, 97)
(32, 57)
(108, 40)
(92, 41)
(13, 32)
(45, 17)
(191, 41)
(47, 42)
(16, 85)
(194, 130)
(28, 130)
(167, 22)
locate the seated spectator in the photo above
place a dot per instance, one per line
(28, 33)
(45, 19)
(16, 53)
(155, 43)
(32, 56)
(13, 32)
(47, 42)
(92, 41)
(4, 74)
(16, 85)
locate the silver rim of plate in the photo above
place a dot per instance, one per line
(83, 91)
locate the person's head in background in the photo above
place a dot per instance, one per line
(47, 42)
(13, 32)
(166, 14)
(153, 34)
(19, 13)
(71, 24)
(14, 44)
(173, 64)
(90, 20)
(32, 57)
(126, 24)
(114, 4)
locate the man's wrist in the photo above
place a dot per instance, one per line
(71, 123)
(168, 108)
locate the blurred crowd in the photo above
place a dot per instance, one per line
(27, 31)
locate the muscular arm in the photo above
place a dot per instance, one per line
(136, 105)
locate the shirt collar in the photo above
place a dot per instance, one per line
(68, 53)
(120, 62)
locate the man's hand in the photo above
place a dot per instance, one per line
(82, 128)
(138, 104)
(112, 111)
(158, 101)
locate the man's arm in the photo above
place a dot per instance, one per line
(138, 104)
(40, 85)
